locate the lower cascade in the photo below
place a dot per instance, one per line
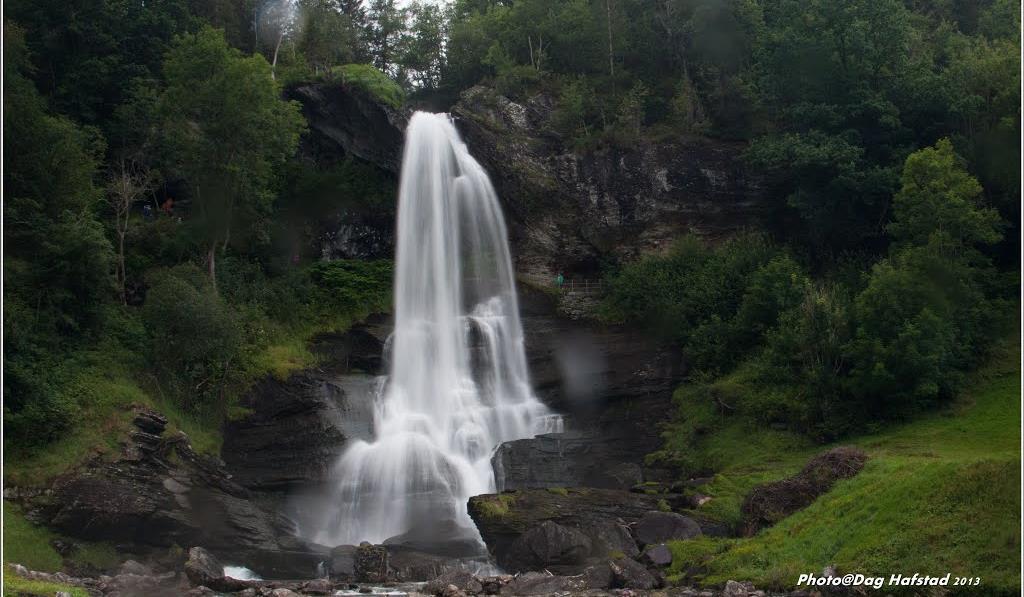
(457, 385)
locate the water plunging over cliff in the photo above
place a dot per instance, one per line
(458, 385)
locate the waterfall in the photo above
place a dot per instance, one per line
(458, 385)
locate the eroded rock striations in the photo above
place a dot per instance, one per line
(568, 209)
(160, 493)
(295, 428)
(344, 121)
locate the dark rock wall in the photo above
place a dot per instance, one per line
(345, 123)
(570, 211)
(567, 211)
(158, 493)
(614, 387)
(295, 428)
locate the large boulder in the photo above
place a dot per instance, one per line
(613, 538)
(630, 574)
(598, 514)
(658, 527)
(343, 562)
(770, 502)
(445, 538)
(203, 569)
(550, 546)
(410, 565)
(658, 555)
(371, 563)
(569, 459)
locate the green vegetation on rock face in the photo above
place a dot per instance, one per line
(831, 355)
(940, 494)
(155, 259)
(367, 78)
(495, 506)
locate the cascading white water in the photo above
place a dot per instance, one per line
(458, 385)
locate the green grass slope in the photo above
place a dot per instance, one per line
(939, 494)
(30, 545)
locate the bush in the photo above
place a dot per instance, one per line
(194, 337)
(806, 352)
(353, 285)
(715, 302)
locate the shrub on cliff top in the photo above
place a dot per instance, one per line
(372, 81)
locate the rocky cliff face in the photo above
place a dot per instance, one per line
(296, 427)
(344, 121)
(159, 494)
(569, 211)
(613, 385)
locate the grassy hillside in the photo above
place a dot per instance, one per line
(939, 494)
(30, 545)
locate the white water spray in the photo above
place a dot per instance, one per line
(458, 385)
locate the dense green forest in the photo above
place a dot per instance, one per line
(887, 131)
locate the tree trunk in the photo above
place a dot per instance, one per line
(211, 264)
(122, 273)
(277, 48)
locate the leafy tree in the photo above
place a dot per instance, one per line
(57, 261)
(928, 309)
(695, 295)
(327, 36)
(227, 130)
(575, 105)
(840, 195)
(387, 22)
(829, 78)
(983, 81)
(939, 204)
(277, 22)
(195, 337)
(52, 237)
(422, 45)
(86, 51)
(807, 351)
(127, 183)
(238, 19)
(632, 108)
(356, 13)
(712, 45)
